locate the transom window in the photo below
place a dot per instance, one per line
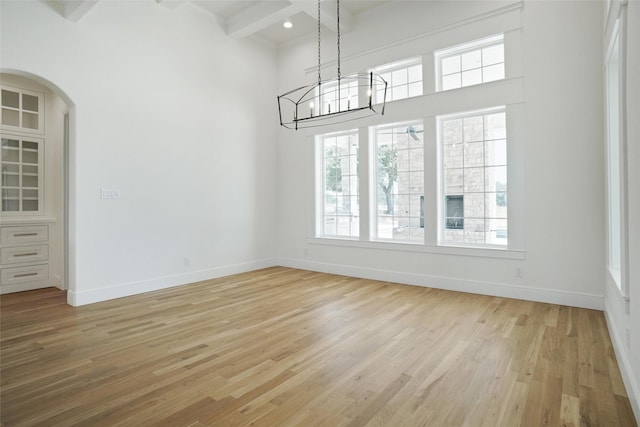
(404, 80)
(347, 96)
(339, 171)
(399, 157)
(480, 61)
(473, 164)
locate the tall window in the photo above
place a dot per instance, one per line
(473, 165)
(480, 61)
(613, 160)
(340, 209)
(404, 80)
(399, 157)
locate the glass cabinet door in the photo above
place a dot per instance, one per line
(21, 174)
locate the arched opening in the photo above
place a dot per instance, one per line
(38, 169)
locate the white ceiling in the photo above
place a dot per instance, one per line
(255, 18)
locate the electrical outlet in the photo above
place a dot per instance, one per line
(187, 261)
(109, 193)
(628, 337)
(518, 272)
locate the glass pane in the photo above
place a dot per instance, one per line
(496, 178)
(452, 131)
(473, 154)
(10, 152)
(10, 117)
(399, 77)
(10, 98)
(453, 156)
(495, 205)
(493, 55)
(30, 205)
(343, 227)
(10, 177)
(30, 145)
(471, 77)
(451, 65)
(29, 180)
(30, 120)
(493, 72)
(400, 92)
(415, 73)
(453, 181)
(330, 225)
(497, 234)
(29, 102)
(342, 143)
(474, 231)
(473, 180)
(385, 226)
(416, 182)
(29, 156)
(10, 200)
(495, 153)
(495, 126)
(473, 128)
(471, 60)
(415, 89)
(451, 82)
(454, 212)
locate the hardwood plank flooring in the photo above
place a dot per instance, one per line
(285, 347)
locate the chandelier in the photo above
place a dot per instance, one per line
(332, 101)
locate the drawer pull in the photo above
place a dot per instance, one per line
(25, 274)
(24, 234)
(27, 254)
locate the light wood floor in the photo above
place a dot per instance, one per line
(281, 347)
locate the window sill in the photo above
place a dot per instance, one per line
(419, 247)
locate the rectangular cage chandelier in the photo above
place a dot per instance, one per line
(332, 101)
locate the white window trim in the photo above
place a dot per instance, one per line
(440, 206)
(460, 49)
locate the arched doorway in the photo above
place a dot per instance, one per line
(37, 127)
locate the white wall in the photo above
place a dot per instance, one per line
(623, 315)
(176, 115)
(559, 73)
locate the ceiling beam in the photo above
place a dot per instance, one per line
(328, 17)
(74, 10)
(260, 16)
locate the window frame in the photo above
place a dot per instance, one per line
(390, 68)
(459, 50)
(320, 191)
(441, 193)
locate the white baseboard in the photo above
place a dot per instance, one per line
(631, 384)
(90, 296)
(572, 299)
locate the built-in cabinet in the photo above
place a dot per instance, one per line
(27, 223)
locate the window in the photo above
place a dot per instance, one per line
(472, 63)
(347, 95)
(21, 110)
(404, 80)
(613, 159)
(473, 167)
(399, 157)
(339, 171)
(21, 174)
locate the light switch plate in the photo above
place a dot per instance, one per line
(109, 193)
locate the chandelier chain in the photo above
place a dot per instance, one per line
(338, 2)
(319, 61)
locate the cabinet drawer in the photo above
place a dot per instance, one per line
(14, 275)
(24, 234)
(19, 254)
